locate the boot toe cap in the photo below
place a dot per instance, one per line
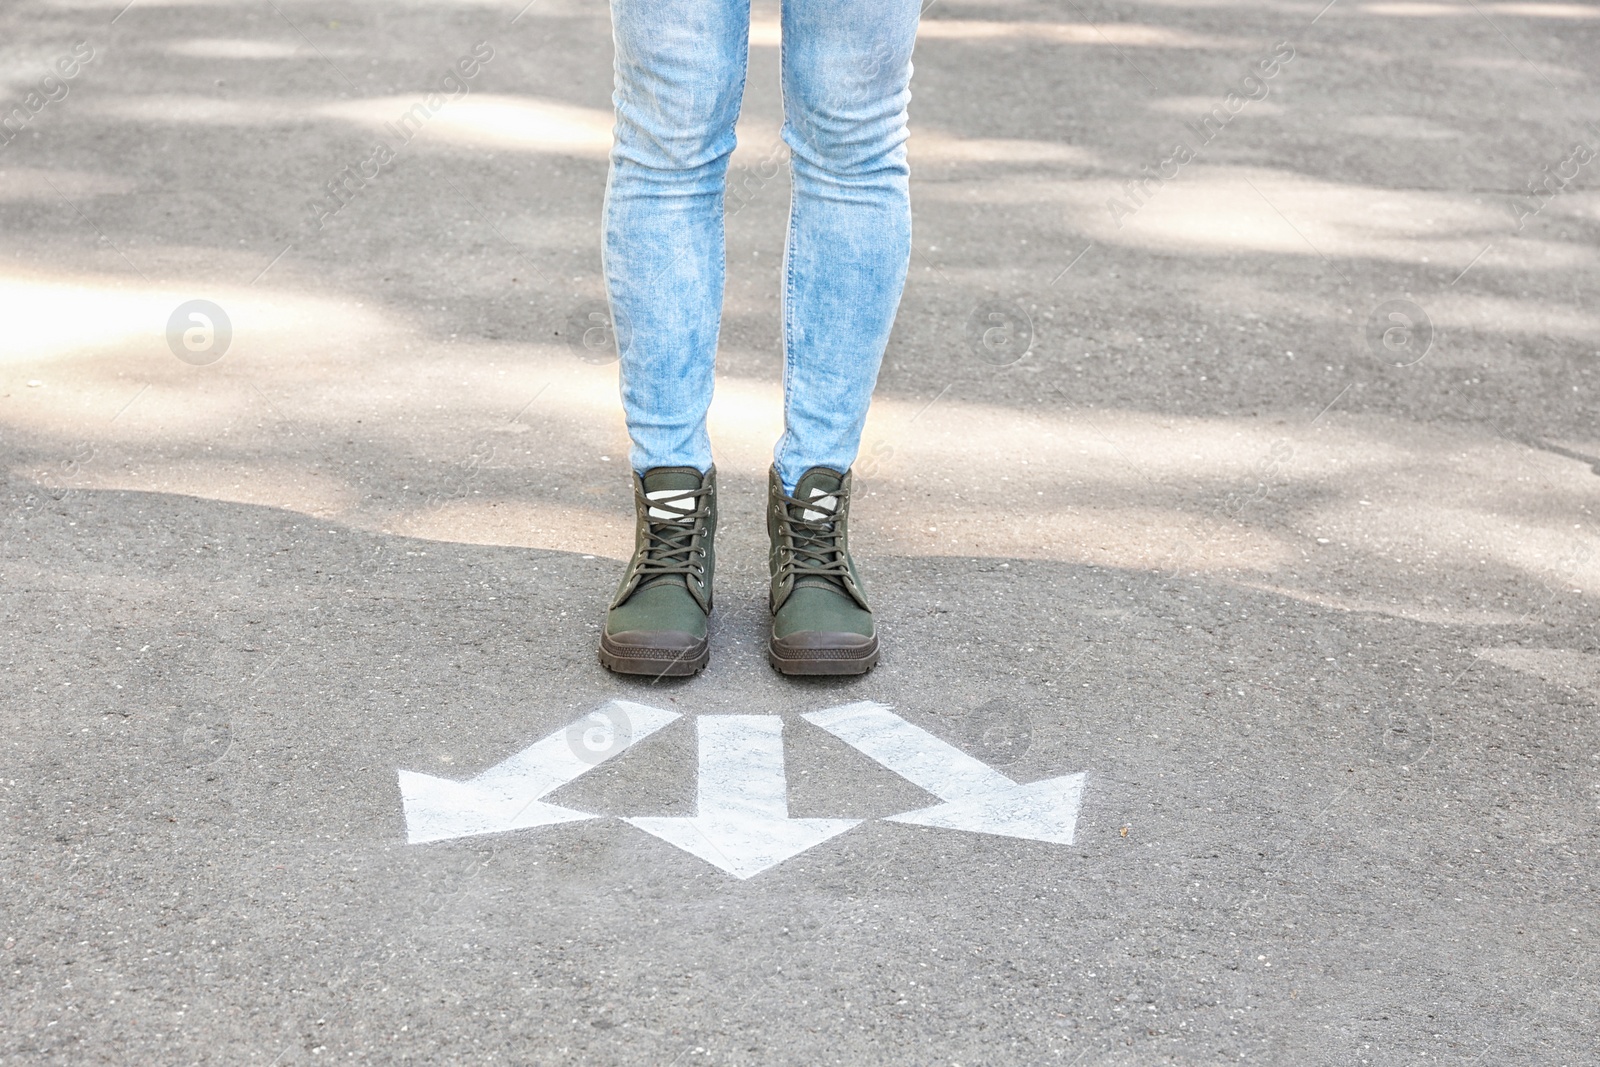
(660, 652)
(824, 652)
(667, 641)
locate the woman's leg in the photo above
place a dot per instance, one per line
(680, 77)
(846, 77)
(680, 69)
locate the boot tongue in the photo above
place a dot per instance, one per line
(821, 485)
(669, 483)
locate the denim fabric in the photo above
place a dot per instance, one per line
(680, 70)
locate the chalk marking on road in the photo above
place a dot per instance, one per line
(742, 823)
(977, 798)
(508, 795)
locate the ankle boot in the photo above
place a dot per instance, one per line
(821, 623)
(657, 621)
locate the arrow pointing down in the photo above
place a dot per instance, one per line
(507, 795)
(742, 825)
(977, 798)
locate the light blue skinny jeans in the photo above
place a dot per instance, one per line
(680, 72)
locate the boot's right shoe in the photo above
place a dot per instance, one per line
(821, 622)
(657, 621)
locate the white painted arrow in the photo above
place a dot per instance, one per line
(742, 824)
(507, 795)
(976, 797)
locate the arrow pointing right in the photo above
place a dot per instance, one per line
(977, 798)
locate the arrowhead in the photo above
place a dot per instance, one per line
(1039, 811)
(438, 808)
(744, 846)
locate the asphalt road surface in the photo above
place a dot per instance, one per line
(1233, 533)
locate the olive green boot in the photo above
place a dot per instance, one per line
(657, 621)
(821, 623)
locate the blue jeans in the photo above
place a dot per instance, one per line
(680, 71)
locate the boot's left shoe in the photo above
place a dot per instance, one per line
(821, 622)
(657, 621)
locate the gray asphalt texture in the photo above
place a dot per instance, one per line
(1314, 612)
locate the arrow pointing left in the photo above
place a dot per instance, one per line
(508, 795)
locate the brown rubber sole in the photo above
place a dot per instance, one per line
(810, 653)
(655, 660)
